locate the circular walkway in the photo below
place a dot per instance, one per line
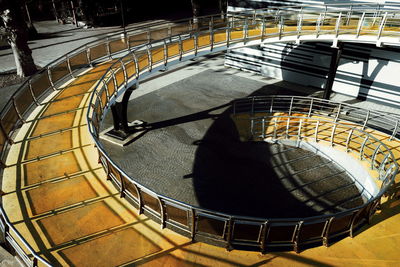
(59, 200)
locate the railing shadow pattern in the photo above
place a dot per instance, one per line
(161, 45)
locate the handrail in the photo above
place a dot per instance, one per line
(53, 73)
(234, 30)
(27, 87)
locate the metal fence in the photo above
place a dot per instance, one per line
(163, 44)
(219, 34)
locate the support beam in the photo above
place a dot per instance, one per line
(119, 110)
(336, 53)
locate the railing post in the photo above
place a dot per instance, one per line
(264, 234)
(140, 200)
(296, 236)
(311, 107)
(360, 24)
(281, 27)
(32, 94)
(263, 128)
(394, 131)
(325, 235)
(136, 65)
(193, 226)
(122, 192)
(180, 47)
(149, 57)
(299, 130)
(316, 132)
(287, 128)
(349, 13)
(165, 50)
(17, 110)
(125, 73)
(245, 30)
(271, 107)
(366, 120)
(374, 156)
(291, 106)
(88, 57)
(148, 36)
(162, 212)
(69, 67)
(262, 28)
(338, 112)
(382, 166)
(108, 48)
(362, 147)
(106, 89)
(228, 34)
(348, 139)
(50, 79)
(318, 26)
(299, 23)
(228, 234)
(333, 133)
(383, 22)
(337, 27)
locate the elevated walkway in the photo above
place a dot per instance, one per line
(58, 200)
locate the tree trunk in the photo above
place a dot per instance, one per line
(195, 8)
(222, 7)
(17, 37)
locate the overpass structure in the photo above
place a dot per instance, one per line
(57, 209)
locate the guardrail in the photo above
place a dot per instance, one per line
(33, 91)
(160, 45)
(224, 229)
(340, 112)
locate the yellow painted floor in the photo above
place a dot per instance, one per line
(58, 198)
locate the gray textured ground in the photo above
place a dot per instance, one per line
(195, 156)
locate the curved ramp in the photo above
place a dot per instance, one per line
(57, 198)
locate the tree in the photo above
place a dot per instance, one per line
(15, 31)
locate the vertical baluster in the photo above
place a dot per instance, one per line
(360, 24)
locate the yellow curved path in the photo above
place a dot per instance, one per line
(59, 200)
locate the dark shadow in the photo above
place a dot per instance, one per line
(308, 64)
(368, 80)
(256, 179)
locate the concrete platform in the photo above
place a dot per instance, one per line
(192, 152)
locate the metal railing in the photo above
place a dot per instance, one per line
(220, 34)
(160, 45)
(33, 91)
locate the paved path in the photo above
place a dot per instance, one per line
(189, 155)
(58, 198)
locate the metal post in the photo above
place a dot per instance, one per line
(311, 107)
(316, 132)
(360, 24)
(362, 147)
(366, 120)
(337, 27)
(120, 116)
(336, 53)
(299, 24)
(349, 139)
(333, 133)
(394, 131)
(374, 156)
(318, 25)
(383, 22)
